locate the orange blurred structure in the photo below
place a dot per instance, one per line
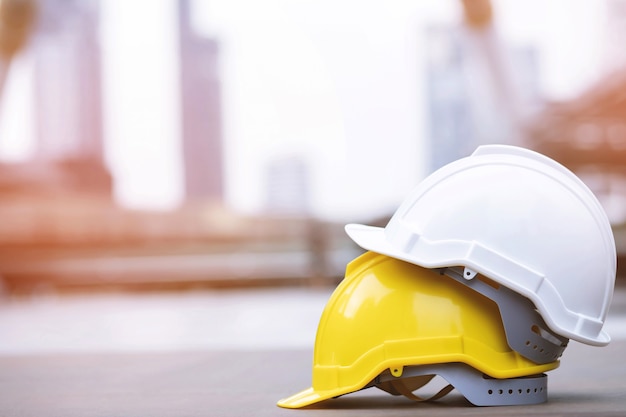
(76, 241)
(587, 131)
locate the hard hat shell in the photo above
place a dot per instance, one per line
(388, 314)
(519, 218)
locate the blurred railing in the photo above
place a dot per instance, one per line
(83, 242)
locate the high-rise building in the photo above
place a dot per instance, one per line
(201, 112)
(68, 86)
(613, 55)
(473, 97)
(68, 94)
(287, 185)
(450, 116)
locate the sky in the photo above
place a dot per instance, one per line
(338, 83)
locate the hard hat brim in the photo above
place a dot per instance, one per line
(373, 239)
(304, 398)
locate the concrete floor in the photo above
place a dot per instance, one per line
(229, 353)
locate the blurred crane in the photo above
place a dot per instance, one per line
(17, 19)
(486, 46)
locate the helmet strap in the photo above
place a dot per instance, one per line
(479, 389)
(526, 331)
(406, 386)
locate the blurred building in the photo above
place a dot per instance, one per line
(287, 182)
(449, 111)
(201, 111)
(67, 89)
(479, 88)
(614, 33)
(68, 81)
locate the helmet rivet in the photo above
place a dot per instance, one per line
(468, 273)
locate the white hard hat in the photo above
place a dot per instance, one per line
(518, 218)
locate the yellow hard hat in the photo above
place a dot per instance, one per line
(390, 319)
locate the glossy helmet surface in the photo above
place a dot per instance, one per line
(518, 218)
(388, 315)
